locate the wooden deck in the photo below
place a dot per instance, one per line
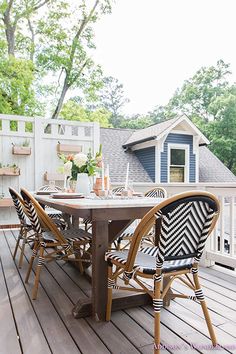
(46, 325)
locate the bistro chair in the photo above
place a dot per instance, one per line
(62, 219)
(26, 234)
(87, 221)
(127, 235)
(54, 244)
(186, 220)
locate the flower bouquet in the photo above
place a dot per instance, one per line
(80, 164)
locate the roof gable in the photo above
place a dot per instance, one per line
(158, 131)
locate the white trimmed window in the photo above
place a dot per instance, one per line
(178, 163)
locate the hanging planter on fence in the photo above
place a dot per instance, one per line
(9, 171)
(68, 148)
(21, 150)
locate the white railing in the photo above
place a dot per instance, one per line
(221, 246)
(43, 136)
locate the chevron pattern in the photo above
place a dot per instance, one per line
(156, 193)
(18, 208)
(32, 215)
(184, 230)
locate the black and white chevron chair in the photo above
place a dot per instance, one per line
(54, 244)
(26, 234)
(62, 220)
(186, 220)
(127, 235)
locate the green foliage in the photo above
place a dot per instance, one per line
(111, 97)
(16, 90)
(222, 131)
(136, 122)
(57, 35)
(72, 110)
(210, 102)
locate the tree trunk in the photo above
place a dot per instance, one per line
(61, 100)
(10, 34)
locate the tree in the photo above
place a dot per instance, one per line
(222, 131)
(197, 94)
(14, 14)
(16, 90)
(66, 43)
(136, 122)
(210, 102)
(72, 110)
(111, 97)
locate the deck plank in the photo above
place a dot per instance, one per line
(85, 338)
(24, 314)
(59, 338)
(9, 342)
(129, 331)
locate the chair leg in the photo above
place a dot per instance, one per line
(34, 254)
(157, 303)
(22, 252)
(205, 310)
(109, 294)
(17, 243)
(37, 274)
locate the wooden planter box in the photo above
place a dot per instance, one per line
(53, 177)
(68, 148)
(9, 171)
(21, 150)
(6, 202)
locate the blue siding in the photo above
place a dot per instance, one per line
(147, 159)
(178, 139)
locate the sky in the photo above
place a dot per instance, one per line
(152, 46)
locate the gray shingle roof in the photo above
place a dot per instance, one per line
(211, 169)
(152, 131)
(114, 154)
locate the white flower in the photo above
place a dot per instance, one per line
(80, 159)
(67, 168)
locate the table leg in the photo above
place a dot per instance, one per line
(99, 269)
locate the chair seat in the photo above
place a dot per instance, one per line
(71, 235)
(146, 263)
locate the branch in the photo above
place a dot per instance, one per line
(36, 7)
(29, 11)
(79, 73)
(6, 15)
(80, 30)
(32, 49)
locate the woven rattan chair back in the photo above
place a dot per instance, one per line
(47, 187)
(18, 204)
(39, 218)
(186, 220)
(117, 190)
(157, 192)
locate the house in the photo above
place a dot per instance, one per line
(171, 151)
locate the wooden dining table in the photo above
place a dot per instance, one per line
(110, 217)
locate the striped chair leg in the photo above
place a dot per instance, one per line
(200, 296)
(17, 242)
(34, 254)
(22, 252)
(37, 274)
(109, 294)
(157, 304)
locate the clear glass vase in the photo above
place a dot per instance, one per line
(83, 184)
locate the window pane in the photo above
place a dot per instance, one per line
(177, 157)
(176, 174)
